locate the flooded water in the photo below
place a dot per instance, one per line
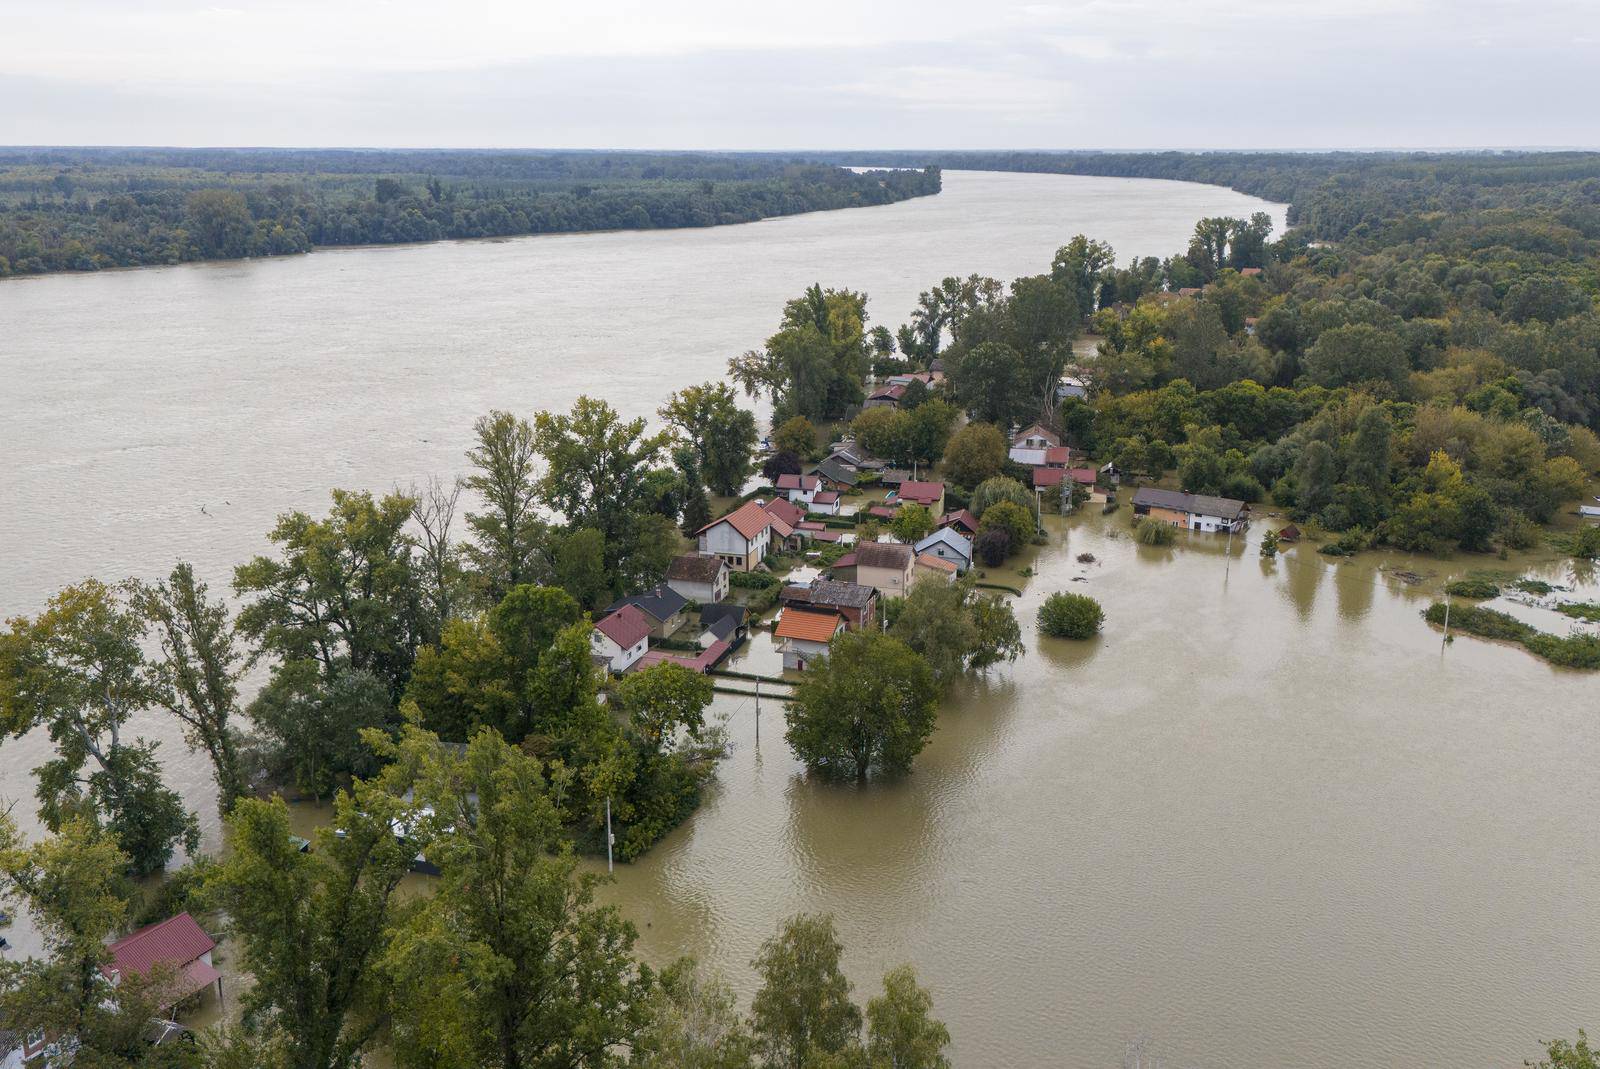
(1266, 819)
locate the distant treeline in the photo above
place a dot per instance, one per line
(86, 209)
(1334, 196)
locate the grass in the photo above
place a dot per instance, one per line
(1572, 651)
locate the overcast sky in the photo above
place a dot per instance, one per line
(809, 74)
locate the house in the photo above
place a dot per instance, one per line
(722, 623)
(786, 516)
(885, 566)
(885, 397)
(741, 538)
(1249, 272)
(1071, 386)
(947, 544)
(1029, 444)
(880, 512)
(836, 474)
(1197, 512)
(1290, 533)
(177, 943)
(699, 577)
(1189, 291)
(701, 662)
(620, 638)
(799, 489)
(844, 569)
(803, 636)
(826, 502)
(962, 520)
(927, 378)
(893, 477)
(1057, 456)
(1082, 476)
(663, 605)
(929, 495)
(929, 565)
(857, 604)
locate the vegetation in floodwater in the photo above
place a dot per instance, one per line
(1581, 610)
(1572, 651)
(1477, 588)
(1075, 616)
(1149, 532)
(1533, 586)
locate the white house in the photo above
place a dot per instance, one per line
(699, 577)
(826, 502)
(948, 544)
(799, 488)
(1029, 445)
(621, 638)
(1197, 512)
(743, 537)
(803, 635)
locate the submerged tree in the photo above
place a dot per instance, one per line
(868, 705)
(802, 1012)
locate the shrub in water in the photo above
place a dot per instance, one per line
(1150, 532)
(1071, 616)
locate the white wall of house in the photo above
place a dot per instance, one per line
(741, 554)
(703, 593)
(830, 508)
(617, 658)
(799, 652)
(889, 582)
(1028, 455)
(803, 497)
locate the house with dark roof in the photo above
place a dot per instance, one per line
(699, 577)
(836, 475)
(1197, 512)
(885, 566)
(723, 622)
(663, 605)
(885, 396)
(620, 638)
(947, 544)
(962, 520)
(856, 603)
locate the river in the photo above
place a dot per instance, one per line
(1265, 819)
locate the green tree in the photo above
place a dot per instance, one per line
(1071, 616)
(868, 705)
(911, 522)
(77, 670)
(1357, 353)
(814, 366)
(220, 222)
(694, 1023)
(802, 1013)
(1565, 1054)
(1016, 520)
(1269, 545)
(990, 381)
(795, 435)
(722, 434)
(510, 963)
(312, 725)
(71, 884)
(997, 489)
(311, 928)
(1370, 459)
(955, 627)
(197, 676)
(579, 567)
(902, 1032)
(1314, 476)
(1081, 265)
(343, 591)
(508, 536)
(882, 431)
(975, 453)
(664, 699)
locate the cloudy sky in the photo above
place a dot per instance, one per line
(812, 74)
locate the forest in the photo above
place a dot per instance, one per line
(88, 209)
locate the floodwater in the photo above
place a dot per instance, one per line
(1266, 819)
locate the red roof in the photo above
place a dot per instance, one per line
(826, 536)
(1081, 475)
(891, 393)
(921, 493)
(626, 627)
(175, 941)
(798, 482)
(1036, 430)
(749, 519)
(1057, 456)
(1047, 477)
(786, 511)
(808, 626)
(702, 662)
(846, 561)
(826, 497)
(960, 518)
(938, 564)
(811, 525)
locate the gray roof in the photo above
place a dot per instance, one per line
(722, 610)
(883, 555)
(832, 592)
(1196, 504)
(696, 567)
(659, 603)
(833, 470)
(949, 535)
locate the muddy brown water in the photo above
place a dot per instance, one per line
(1265, 819)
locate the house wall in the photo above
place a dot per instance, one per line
(797, 653)
(727, 543)
(703, 593)
(617, 658)
(1028, 456)
(888, 582)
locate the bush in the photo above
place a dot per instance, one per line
(1533, 586)
(1148, 532)
(1473, 588)
(1572, 651)
(1000, 488)
(992, 547)
(1071, 616)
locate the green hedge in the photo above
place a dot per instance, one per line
(1572, 651)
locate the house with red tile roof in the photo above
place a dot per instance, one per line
(1048, 478)
(799, 488)
(177, 943)
(929, 495)
(1028, 446)
(803, 635)
(885, 397)
(826, 502)
(744, 536)
(620, 638)
(962, 520)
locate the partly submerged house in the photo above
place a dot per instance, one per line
(803, 635)
(836, 474)
(930, 566)
(947, 544)
(885, 397)
(177, 944)
(744, 536)
(799, 489)
(1197, 512)
(825, 502)
(856, 603)
(962, 520)
(929, 495)
(723, 622)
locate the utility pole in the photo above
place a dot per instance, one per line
(1228, 555)
(610, 867)
(758, 712)
(1445, 641)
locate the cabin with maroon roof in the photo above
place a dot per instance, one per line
(177, 944)
(620, 638)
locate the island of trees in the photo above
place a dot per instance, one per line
(92, 208)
